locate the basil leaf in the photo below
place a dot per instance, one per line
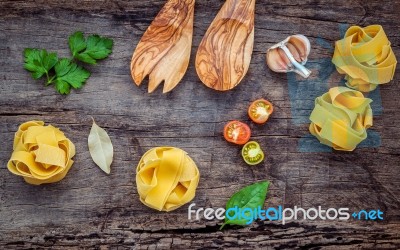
(245, 201)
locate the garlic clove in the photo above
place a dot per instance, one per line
(276, 62)
(295, 52)
(302, 45)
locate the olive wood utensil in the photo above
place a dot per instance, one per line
(163, 52)
(224, 54)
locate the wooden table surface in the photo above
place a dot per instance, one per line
(90, 209)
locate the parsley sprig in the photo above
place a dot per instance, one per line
(65, 73)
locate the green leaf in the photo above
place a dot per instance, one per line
(39, 62)
(77, 43)
(90, 50)
(65, 73)
(62, 87)
(69, 73)
(85, 58)
(250, 197)
(100, 147)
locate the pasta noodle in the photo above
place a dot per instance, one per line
(41, 154)
(166, 178)
(365, 56)
(340, 118)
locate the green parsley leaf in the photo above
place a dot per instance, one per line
(90, 50)
(77, 43)
(65, 73)
(39, 62)
(69, 74)
(62, 87)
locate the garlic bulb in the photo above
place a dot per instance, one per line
(290, 55)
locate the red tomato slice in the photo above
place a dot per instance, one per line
(237, 132)
(260, 110)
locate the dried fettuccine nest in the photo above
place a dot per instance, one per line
(366, 57)
(340, 118)
(166, 178)
(41, 154)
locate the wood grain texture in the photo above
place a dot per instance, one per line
(163, 52)
(224, 55)
(89, 209)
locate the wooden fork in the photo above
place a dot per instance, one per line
(163, 53)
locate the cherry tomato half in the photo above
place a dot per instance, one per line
(260, 110)
(252, 153)
(237, 132)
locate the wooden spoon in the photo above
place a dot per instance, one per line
(224, 54)
(163, 53)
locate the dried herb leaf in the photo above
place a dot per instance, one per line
(100, 147)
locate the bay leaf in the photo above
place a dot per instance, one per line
(100, 147)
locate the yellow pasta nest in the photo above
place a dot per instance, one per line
(166, 178)
(365, 56)
(42, 154)
(340, 118)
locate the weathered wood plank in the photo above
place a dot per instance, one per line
(90, 209)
